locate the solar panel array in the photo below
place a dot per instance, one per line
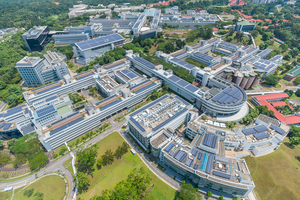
(189, 87)
(3, 124)
(203, 56)
(270, 67)
(137, 25)
(169, 120)
(228, 96)
(111, 104)
(155, 21)
(51, 98)
(249, 131)
(7, 126)
(66, 125)
(182, 63)
(265, 53)
(84, 76)
(220, 174)
(261, 135)
(210, 140)
(171, 153)
(145, 88)
(188, 162)
(274, 59)
(49, 89)
(45, 111)
(260, 128)
(145, 62)
(183, 157)
(209, 164)
(262, 64)
(108, 39)
(130, 74)
(277, 129)
(169, 147)
(137, 125)
(200, 154)
(13, 110)
(196, 166)
(194, 152)
(178, 55)
(44, 86)
(111, 67)
(222, 159)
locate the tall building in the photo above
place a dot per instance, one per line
(37, 38)
(36, 71)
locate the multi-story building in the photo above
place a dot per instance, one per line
(263, 1)
(244, 26)
(87, 51)
(37, 38)
(36, 71)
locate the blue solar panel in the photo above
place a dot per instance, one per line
(203, 56)
(277, 129)
(196, 166)
(125, 71)
(188, 162)
(145, 62)
(220, 174)
(182, 83)
(264, 53)
(261, 135)
(123, 63)
(199, 155)
(84, 76)
(111, 104)
(209, 164)
(51, 98)
(136, 24)
(145, 88)
(169, 120)
(194, 152)
(214, 142)
(174, 78)
(3, 124)
(66, 125)
(7, 126)
(13, 110)
(248, 131)
(191, 88)
(138, 125)
(45, 111)
(260, 128)
(183, 157)
(41, 92)
(178, 155)
(99, 41)
(131, 75)
(169, 147)
(171, 153)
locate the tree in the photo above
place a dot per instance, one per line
(289, 92)
(284, 47)
(38, 161)
(295, 140)
(62, 150)
(287, 57)
(83, 181)
(254, 33)
(154, 94)
(86, 160)
(92, 90)
(297, 93)
(187, 192)
(271, 80)
(2, 85)
(99, 163)
(209, 194)
(146, 49)
(221, 197)
(108, 157)
(166, 87)
(249, 40)
(4, 159)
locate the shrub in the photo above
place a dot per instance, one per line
(209, 194)
(55, 155)
(28, 193)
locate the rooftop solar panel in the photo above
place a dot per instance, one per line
(51, 98)
(66, 125)
(261, 135)
(194, 152)
(182, 83)
(220, 174)
(214, 142)
(209, 164)
(7, 126)
(183, 157)
(174, 78)
(199, 155)
(196, 167)
(248, 131)
(145, 88)
(145, 62)
(131, 75)
(169, 147)
(111, 104)
(45, 111)
(171, 153)
(138, 125)
(137, 25)
(260, 128)
(203, 56)
(178, 155)
(13, 110)
(191, 88)
(3, 124)
(188, 162)
(277, 129)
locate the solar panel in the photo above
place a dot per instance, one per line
(3, 124)
(182, 83)
(191, 88)
(136, 24)
(180, 99)
(179, 155)
(131, 75)
(84, 77)
(138, 125)
(13, 110)
(49, 89)
(194, 152)
(45, 111)
(145, 88)
(183, 157)
(174, 78)
(125, 71)
(111, 104)
(51, 98)
(66, 125)
(261, 128)
(169, 147)
(171, 153)
(248, 131)
(261, 135)
(209, 164)
(145, 62)
(277, 129)
(203, 56)
(222, 159)
(196, 166)
(214, 142)
(188, 162)
(220, 174)
(199, 155)
(7, 126)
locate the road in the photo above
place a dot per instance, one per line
(58, 165)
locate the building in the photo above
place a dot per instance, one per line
(87, 51)
(293, 73)
(70, 39)
(167, 111)
(37, 38)
(244, 26)
(36, 71)
(263, 1)
(174, 10)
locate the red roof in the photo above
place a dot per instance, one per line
(288, 120)
(279, 103)
(215, 29)
(268, 20)
(291, 107)
(265, 27)
(285, 20)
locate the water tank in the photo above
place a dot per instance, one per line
(244, 82)
(250, 81)
(256, 81)
(237, 78)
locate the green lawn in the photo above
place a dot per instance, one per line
(64, 110)
(108, 176)
(53, 187)
(295, 97)
(276, 175)
(5, 195)
(258, 41)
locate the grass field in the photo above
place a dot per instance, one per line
(108, 176)
(277, 175)
(258, 41)
(53, 187)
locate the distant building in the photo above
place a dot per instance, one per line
(263, 1)
(292, 74)
(244, 26)
(37, 38)
(36, 71)
(173, 10)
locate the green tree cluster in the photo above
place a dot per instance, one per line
(188, 192)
